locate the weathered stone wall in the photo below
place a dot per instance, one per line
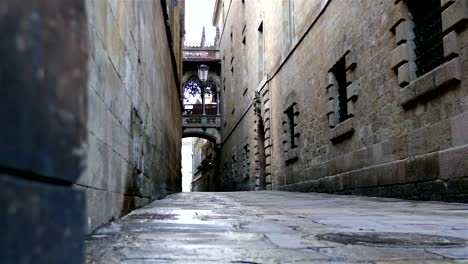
(134, 127)
(407, 136)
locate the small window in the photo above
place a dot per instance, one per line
(234, 165)
(246, 161)
(291, 118)
(339, 70)
(427, 19)
(261, 52)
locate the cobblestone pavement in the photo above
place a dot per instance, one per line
(281, 227)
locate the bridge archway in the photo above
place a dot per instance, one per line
(211, 134)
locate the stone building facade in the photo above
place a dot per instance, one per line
(349, 97)
(204, 169)
(91, 111)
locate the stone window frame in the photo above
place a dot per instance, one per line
(226, 170)
(234, 168)
(291, 113)
(261, 69)
(262, 110)
(246, 161)
(342, 130)
(412, 88)
(288, 34)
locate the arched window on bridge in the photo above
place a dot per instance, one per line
(201, 98)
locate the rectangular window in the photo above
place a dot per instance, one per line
(243, 16)
(261, 53)
(291, 116)
(232, 44)
(427, 19)
(246, 162)
(339, 70)
(233, 166)
(288, 29)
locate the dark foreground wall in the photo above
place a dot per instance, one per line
(43, 56)
(91, 119)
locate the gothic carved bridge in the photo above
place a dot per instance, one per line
(202, 68)
(201, 125)
(201, 119)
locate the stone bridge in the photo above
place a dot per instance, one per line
(201, 115)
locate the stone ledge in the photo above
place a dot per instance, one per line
(342, 131)
(291, 156)
(453, 163)
(330, 107)
(399, 14)
(440, 166)
(459, 128)
(404, 32)
(454, 15)
(445, 3)
(400, 55)
(446, 74)
(451, 47)
(352, 90)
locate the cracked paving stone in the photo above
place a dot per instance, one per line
(282, 227)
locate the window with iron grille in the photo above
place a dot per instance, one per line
(291, 121)
(339, 70)
(246, 162)
(427, 19)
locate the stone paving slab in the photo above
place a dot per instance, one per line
(284, 227)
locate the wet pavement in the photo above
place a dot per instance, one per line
(281, 227)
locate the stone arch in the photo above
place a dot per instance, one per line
(211, 134)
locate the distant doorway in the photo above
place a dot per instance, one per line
(199, 164)
(187, 170)
(261, 181)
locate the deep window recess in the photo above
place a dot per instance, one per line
(339, 70)
(246, 162)
(290, 113)
(427, 19)
(261, 53)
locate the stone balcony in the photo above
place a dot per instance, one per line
(201, 121)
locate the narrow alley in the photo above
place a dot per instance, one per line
(280, 227)
(233, 131)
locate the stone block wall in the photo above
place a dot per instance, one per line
(134, 126)
(405, 136)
